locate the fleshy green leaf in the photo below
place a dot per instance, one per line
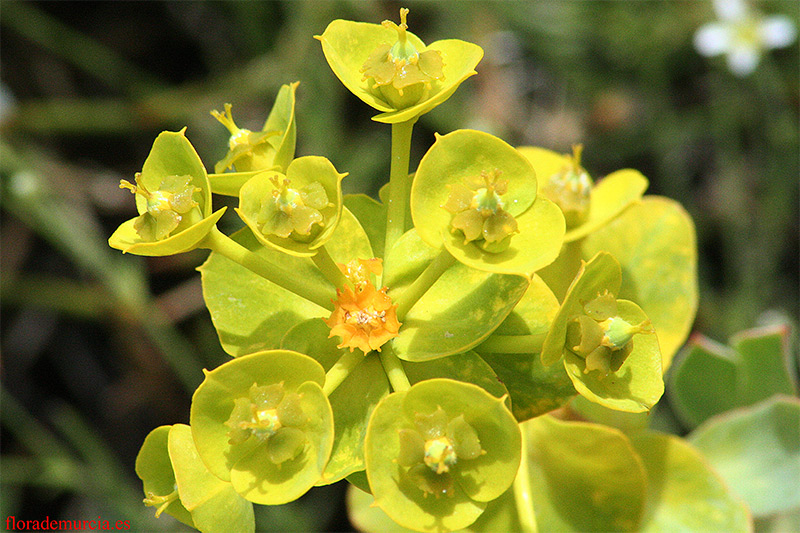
(583, 477)
(352, 401)
(251, 313)
(756, 450)
(456, 313)
(367, 517)
(372, 216)
(684, 493)
(213, 403)
(637, 385)
(534, 388)
(465, 367)
(213, 503)
(655, 244)
(709, 379)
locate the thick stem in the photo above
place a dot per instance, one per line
(522, 491)
(398, 183)
(329, 268)
(394, 369)
(513, 344)
(341, 369)
(425, 281)
(218, 242)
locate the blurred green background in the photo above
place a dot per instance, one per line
(99, 348)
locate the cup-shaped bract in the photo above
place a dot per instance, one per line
(262, 422)
(392, 70)
(173, 197)
(154, 468)
(438, 452)
(609, 347)
(587, 205)
(296, 212)
(272, 147)
(477, 195)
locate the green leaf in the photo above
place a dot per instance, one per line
(583, 477)
(756, 450)
(709, 379)
(601, 273)
(465, 367)
(534, 388)
(655, 244)
(213, 503)
(684, 493)
(213, 403)
(352, 401)
(347, 46)
(637, 385)
(154, 468)
(251, 313)
(302, 172)
(372, 216)
(462, 308)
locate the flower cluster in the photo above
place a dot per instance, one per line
(407, 373)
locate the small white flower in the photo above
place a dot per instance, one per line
(743, 35)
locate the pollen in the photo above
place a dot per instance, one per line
(364, 317)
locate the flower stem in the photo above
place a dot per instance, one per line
(341, 369)
(425, 281)
(394, 369)
(218, 242)
(328, 266)
(522, 491)
(513, 343)
(398, 183)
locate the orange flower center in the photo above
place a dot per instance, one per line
(364, 317)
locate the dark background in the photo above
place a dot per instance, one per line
(99, 348)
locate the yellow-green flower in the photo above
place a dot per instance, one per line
(392, 70)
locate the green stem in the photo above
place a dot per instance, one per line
(218, 242)
(522, 491)
(425, 281)
(513, 343)
(328, 266)
(398, 183)
(394, 369)
(341, 369)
